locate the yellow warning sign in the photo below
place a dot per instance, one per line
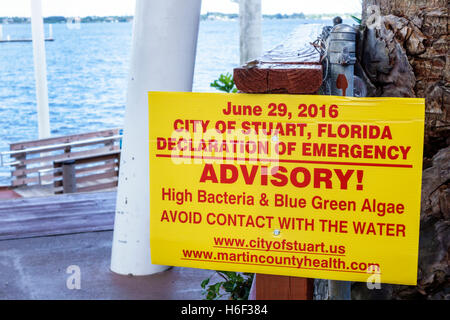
(312, 186)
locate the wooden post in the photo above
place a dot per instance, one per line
(69, 176)
(282, 70)
(250, 37)
(19, 167)
(273, 287)
(40, 68)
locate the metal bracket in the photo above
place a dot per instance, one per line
(345, 57)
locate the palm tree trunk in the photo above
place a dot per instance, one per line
(405, 53)
(421, 29)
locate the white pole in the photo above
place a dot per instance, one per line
(1, 32)
(250, 30)
(40, 68)
(162, 59)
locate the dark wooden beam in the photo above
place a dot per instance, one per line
(273, 287)
(292, 67)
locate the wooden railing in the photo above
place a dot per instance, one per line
(32, 162)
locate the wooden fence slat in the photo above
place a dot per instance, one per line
(98, 187)
(67, 149)
(111, 155)
(22, 172)
(67, 156)
(65, 139)
(24, 181)
(98, 176)
(103, 167)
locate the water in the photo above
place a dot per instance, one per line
(87, 70)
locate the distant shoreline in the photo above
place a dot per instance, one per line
(211, 16)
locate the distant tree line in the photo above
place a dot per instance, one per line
(300, 15)
(14, 20)
(61, 19)
(206, 16)
(234, 16)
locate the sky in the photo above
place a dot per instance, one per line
(82, 8)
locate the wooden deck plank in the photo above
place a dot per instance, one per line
(56, 215)
(66, 200)
(7, 194)
(34, 191)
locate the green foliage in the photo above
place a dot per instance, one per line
(237, 285)
(358, 20)
(224, 83)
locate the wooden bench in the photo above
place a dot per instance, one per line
(32, 162)
(89, 173)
